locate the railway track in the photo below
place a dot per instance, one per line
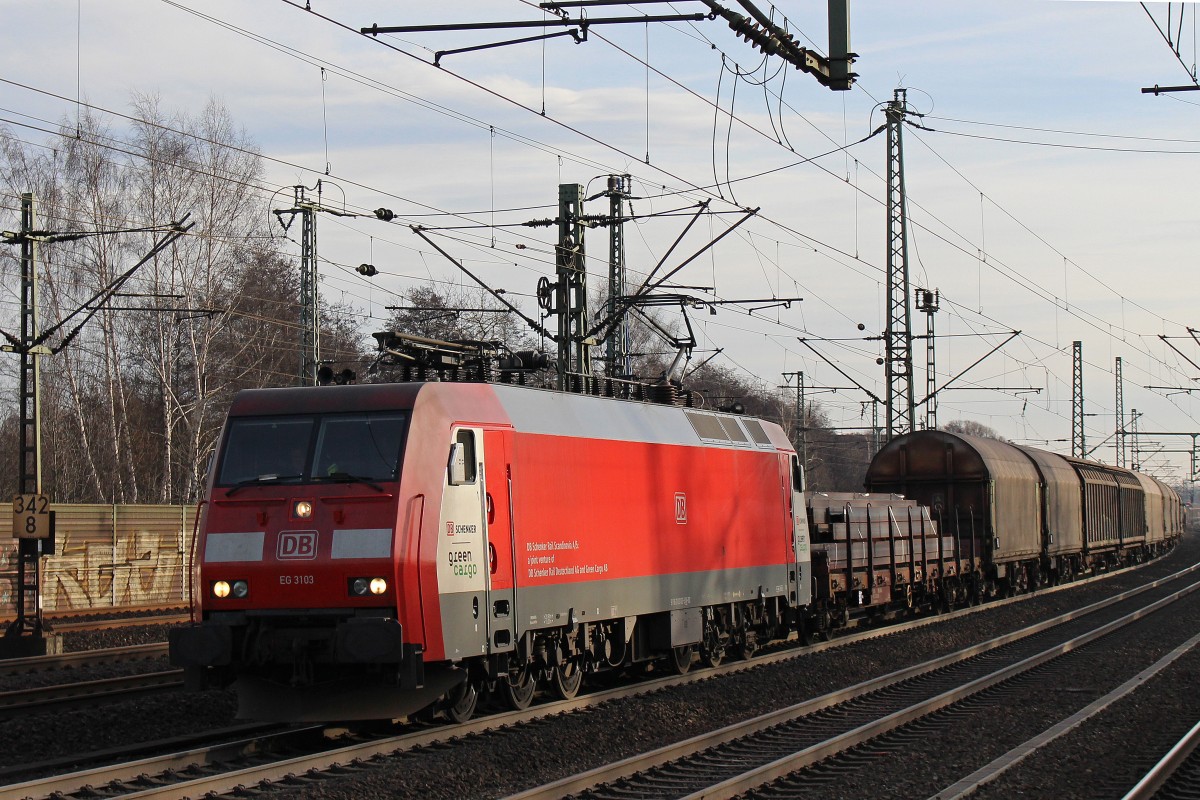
(208, 776)
(84, 658)
(774, 755)
(119, 622)
(66, 696)
(111, 613)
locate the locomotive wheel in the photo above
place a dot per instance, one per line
(681, 659)
(712, 652)
(747, 646)
(461, 701)
(518, 690)
(566, 680)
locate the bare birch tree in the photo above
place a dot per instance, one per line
(133, 405)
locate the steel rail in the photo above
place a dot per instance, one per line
(790, 764)
(107, 611)
(208, 741)
(1168, 766)
(73, 695)
(123, 773)
(83, 658)
(1142, 791)
(119, 622)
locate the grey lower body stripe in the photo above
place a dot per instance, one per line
(224, 547)
(551, 606)
(362, 543)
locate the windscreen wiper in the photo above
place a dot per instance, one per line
(346, 477)
(260, 480)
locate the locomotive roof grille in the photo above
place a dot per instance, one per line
(732, 429)
(756, 431)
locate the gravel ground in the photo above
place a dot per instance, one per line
(40, 737)
(496, 764)
(114, 637)
(1109, 753)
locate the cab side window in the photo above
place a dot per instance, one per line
(797, 475)
(466, 438)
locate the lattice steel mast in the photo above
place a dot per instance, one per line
(310, 298)
(571, 286)
(29, 477)
(928, 303)
(1136, 450)
(1078, 442)
(800, 426)
(1120, 413)
(310, 337)
(619, 365)
(898, 364)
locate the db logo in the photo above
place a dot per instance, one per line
(681, 508)
(450, 528)
(297, 544)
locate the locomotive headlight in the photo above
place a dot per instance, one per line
(240, 589)
(303, 509)
(220, 589)
(360, 586)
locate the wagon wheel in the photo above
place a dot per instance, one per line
(948, 595)
(519, 688)
(681, 659)
(461, 701)
(975, 590)
(566, 680)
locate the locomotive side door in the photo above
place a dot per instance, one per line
(462, 560)
(500, 549)
(800, 538)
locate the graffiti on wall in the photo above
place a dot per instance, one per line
(144, 569)
(108, 556)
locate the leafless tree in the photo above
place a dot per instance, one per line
(132, 406)
(971, 428)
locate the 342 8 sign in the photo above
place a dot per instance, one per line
(31, 516)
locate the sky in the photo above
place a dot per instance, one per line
(1047, 193)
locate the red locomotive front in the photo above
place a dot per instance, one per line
(295, 582)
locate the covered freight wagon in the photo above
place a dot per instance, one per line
(1044, 516)
(976, 487)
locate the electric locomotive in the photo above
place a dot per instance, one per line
(370, 551)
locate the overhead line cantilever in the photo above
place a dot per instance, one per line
(530, 321)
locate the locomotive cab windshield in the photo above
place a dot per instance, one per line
(307, 449)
